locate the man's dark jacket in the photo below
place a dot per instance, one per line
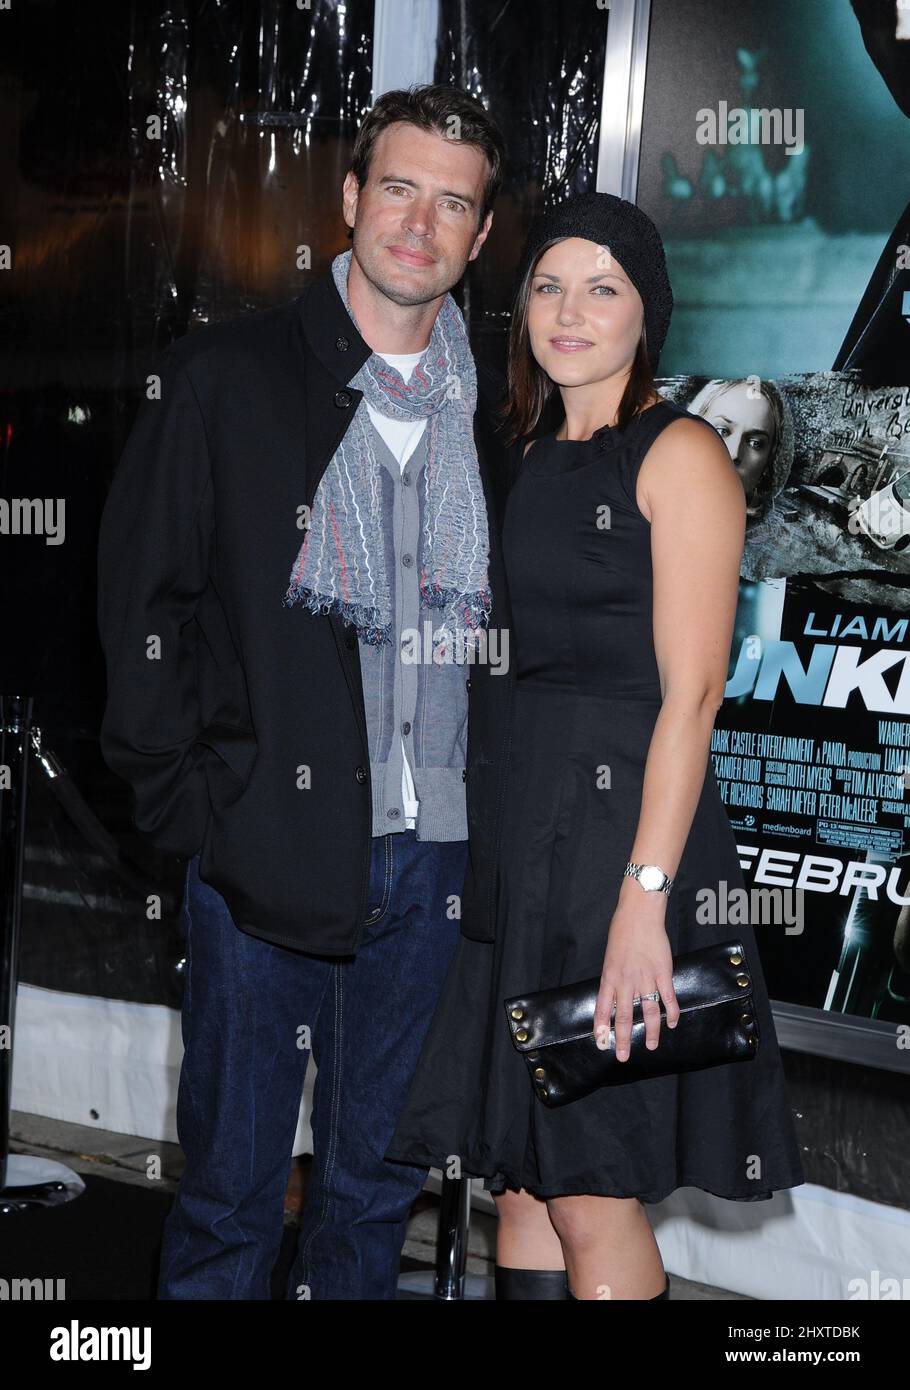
(238, 720)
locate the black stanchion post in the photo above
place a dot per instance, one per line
(15, 723)
(452, 1237)
(449, 1281)
(26, 1182)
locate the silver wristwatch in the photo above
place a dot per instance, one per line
(651, 878)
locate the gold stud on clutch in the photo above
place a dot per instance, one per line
(742, 980)
(522, 1035)
(539, 1072)
(518, 1013)
(736, 958)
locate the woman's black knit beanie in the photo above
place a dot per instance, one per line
(630, 236)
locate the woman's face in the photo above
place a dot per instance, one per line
(584, 313)
(744, 419)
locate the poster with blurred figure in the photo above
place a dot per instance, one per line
(793, 252)
(812, 745)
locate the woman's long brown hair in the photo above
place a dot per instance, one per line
(531, 390)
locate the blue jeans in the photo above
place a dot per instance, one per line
(251, 1011)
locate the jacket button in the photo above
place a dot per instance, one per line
(342, 344)
(361, 774)
(464, 774)
(467, 685)
(342, 399)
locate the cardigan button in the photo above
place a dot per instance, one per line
(361, 775)
(342, 399)
(464, 774)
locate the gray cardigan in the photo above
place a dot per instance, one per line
(405, 693)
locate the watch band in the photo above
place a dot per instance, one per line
(658, 886)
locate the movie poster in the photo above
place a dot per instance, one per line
(781, 185)
(811, 747)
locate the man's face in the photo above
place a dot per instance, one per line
(415, 219)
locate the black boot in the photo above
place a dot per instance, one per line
(665, 1294)
(530, 1283)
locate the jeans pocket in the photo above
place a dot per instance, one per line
(376, 909)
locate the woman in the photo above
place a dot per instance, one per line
(622, 539)
(753, 420)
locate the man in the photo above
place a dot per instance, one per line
(311, 487)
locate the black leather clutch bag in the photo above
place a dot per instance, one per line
(553, 1029)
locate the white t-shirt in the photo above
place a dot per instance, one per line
(402, 438)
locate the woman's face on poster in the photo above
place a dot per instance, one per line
(743, 418)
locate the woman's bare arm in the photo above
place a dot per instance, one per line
(693, 496)
(689, 490)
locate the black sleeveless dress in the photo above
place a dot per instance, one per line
(587, 694)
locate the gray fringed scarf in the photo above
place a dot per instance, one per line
(341, 563)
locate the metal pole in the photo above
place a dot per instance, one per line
(15, 722)
(452, 1237)
(26, 1182)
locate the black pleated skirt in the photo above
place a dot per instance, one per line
(727, 1129)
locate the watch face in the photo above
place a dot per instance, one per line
(651, 877)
